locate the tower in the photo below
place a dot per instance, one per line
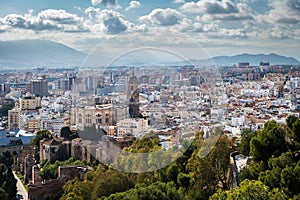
(133, 96)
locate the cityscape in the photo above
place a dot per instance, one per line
(139, 100)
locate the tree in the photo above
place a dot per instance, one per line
(157, 190)
(247, 135)
(272, 177)
(5, 108)
(290, 121)
(7, 182)
(247, 190)
(50, 171)
(40, 135)
(269, 141)
(172, 172)
(3, 194)
(71, 196)
(293, 129)
(290, 179)
(220, 156)
(68, 134)
(110, 182)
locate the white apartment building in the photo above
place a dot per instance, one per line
(131, 126)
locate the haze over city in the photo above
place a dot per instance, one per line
(225, 27)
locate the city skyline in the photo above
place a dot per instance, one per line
(225, 27)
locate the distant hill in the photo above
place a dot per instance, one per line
(38, 53)
(254, 59)
(43, 53)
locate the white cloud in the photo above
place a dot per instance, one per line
(133, 4)
(281, 21)
(248, 1)
(92, 12)
(97, 21)
(49, 19)
(105, 2)
(179, 1)
(164, 17)
(107, 21)
(284, 11)
(224, 33)
(188, 26)
(224, 10)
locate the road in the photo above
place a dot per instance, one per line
(20, 188)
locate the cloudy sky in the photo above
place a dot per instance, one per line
(221, 27)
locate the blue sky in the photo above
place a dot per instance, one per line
(222, 27)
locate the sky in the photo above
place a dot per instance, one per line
(220, 27)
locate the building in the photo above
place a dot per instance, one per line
(99, 115)
(132, 127)
(14, 141)
(53, 188)
(29, 102)
(39, 87)
(55, 149)
(14, 119)
(243, 65)
(53, 125)
(133, 97)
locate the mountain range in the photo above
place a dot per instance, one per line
(255, 59)
(43, 53)
(38, 53)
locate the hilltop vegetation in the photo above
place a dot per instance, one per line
(189, 177)
(273, 172)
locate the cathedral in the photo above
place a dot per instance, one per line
(133, 96)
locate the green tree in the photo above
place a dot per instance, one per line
(71, 196)
(67, 133)
(110, 182)
(290, 121)
(247, 190)
(247, 135)
(5, 108)
(158, 190)
(272, 177)
(172, 172)
(40, 135)
(7, 182)
(3, 194)
(269, 141)
(220, 157)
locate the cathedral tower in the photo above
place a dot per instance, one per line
(133, 96)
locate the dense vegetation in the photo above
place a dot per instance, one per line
(274, 170)
(50, 171)
(4, 108)
(8, 188)
(189, 177)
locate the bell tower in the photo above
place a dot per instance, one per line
(133, 96)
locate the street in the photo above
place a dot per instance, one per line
(21, 191)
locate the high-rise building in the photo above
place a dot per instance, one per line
(39, 87)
